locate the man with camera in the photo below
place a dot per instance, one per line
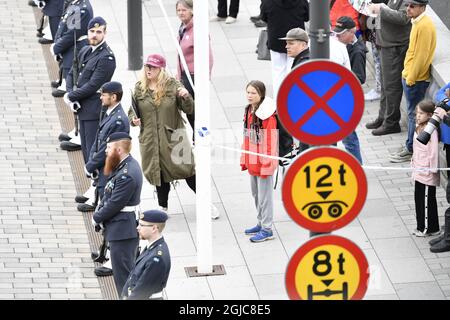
(442, 243)
(116, 213)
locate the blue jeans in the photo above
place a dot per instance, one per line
(413, 94)
(351, 144)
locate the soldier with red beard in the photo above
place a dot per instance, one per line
(116, 212)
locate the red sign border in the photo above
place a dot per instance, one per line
(301, 252)
(304, 158)
(320, 65)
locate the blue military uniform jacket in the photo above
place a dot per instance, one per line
(94, 69)
(149, 274)
(74, 20)
(116, 121)
(122, 189)
(53, 8)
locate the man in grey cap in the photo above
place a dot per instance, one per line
(297, 45)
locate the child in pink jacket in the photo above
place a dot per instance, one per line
(424, 161)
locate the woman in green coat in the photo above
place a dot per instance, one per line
(165, 148)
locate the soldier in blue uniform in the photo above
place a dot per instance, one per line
(53, 9)
(113, 120)
(73, 24)
(96, 66)
(116, 212)
(151, 271)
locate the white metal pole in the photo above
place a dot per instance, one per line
(202, 144)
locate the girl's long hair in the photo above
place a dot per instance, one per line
(261, 89)
(163, 79)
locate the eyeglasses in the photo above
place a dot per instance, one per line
(145, 225)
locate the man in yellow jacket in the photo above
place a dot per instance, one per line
(416, 72)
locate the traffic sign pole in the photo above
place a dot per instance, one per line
(319, 29)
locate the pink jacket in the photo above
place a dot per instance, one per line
(187, 46)
(426, 156)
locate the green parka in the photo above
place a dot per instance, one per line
(165, 147)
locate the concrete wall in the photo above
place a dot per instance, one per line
(442, 8)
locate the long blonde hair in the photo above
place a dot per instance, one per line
(163, 79)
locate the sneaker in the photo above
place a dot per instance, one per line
(422, 234)
(217, 18)
(403, 156)
(230, 20)
(253, 230)
(398, 151)
(372, 95)
(262, 235)
(215, 213)
(165, 209)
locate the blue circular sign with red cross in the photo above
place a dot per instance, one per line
(320, 102)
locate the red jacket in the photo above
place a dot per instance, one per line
(264, 142)
(343, 8)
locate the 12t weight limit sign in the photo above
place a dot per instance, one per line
(324, 189)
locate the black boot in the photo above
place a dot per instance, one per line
(442, 246)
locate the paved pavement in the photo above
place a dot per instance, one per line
(401, 265)
(44, 250)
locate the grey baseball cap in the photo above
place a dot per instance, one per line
(296, 34)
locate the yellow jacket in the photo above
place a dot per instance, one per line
(422, 43)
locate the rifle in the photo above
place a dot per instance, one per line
(41, 26)
(134, 106)
(75, 77)
(96, 174)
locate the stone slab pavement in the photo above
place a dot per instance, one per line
(44, 249)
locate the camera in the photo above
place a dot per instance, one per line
(433, 123)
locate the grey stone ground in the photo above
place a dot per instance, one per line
(42, 215)
(44, 251)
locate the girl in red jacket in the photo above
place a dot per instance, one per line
(261, 137)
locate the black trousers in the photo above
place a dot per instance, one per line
(123, 257)
(163, 190)
(391, 84)
(426, 208)
(222, 8)
(53, 22)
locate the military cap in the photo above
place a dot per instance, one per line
(418, 2)
(155, 216)
(112, 87)
(344, 23)
(96, 22)
(116, 136)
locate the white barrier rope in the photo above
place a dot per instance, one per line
(364, 166)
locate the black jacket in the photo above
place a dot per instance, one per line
(357, 54)
(282, 16)
(301, 57)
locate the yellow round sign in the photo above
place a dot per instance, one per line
(327, 268)
(324, 189)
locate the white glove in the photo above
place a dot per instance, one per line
(88, 174)
(66, 98)
(41, 4)
(94, 224)
(75, 106)
(51, 49)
